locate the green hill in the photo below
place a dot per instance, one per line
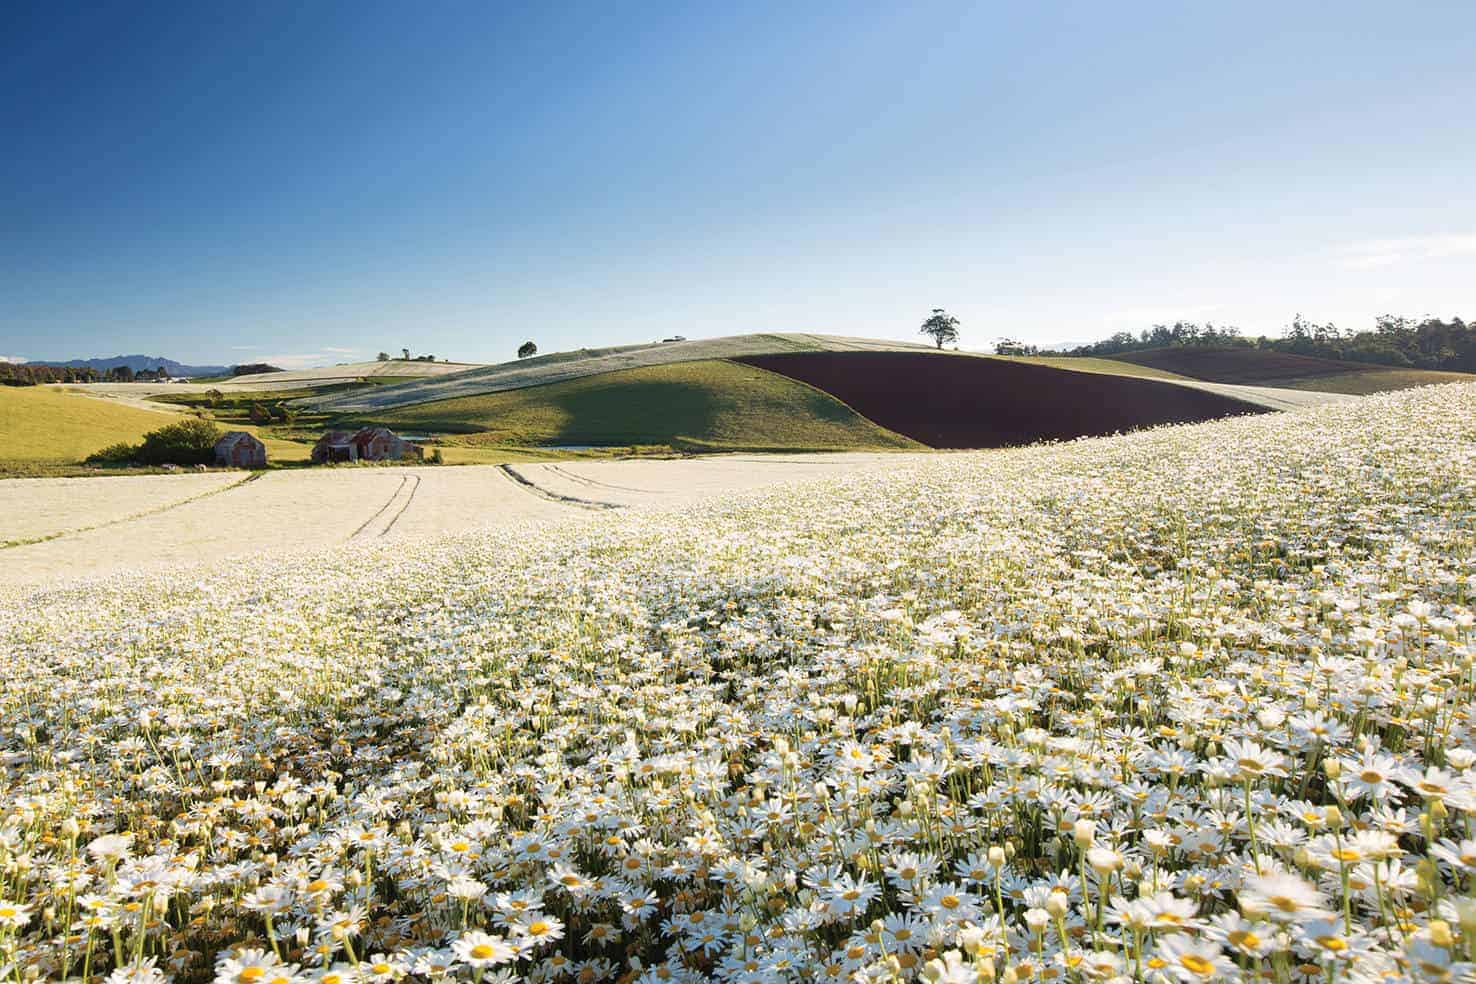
(564, 366)
(708, 405)
(46, 425)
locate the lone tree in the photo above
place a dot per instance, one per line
(383, 357)
(526, 350)
(941, 327)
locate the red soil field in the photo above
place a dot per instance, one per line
(959, 401)
(1251, 367)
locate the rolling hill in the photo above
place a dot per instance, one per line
(350, 372)
(1267, 367)
(47, 425)
(986, 402)
(563, 366)
(708, 405)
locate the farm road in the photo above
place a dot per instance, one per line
(153, 523)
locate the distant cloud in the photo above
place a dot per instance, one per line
(244, 348)
(340, 351)
(1374, 253)
(15, 359)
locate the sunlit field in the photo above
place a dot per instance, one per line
(1186, 705)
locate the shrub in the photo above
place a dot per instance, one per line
(189, 442)
(114, 454)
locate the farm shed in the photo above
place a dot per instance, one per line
(365, 444)
(238, 449)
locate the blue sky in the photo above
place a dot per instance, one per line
(309, 183)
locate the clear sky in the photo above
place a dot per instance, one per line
(313, 182)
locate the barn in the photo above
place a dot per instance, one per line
(365, 444)
(335, 446)
(238, 449)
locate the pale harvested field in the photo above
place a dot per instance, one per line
(656, 483)
(1271, 397)
(309, 511)
(41, 507)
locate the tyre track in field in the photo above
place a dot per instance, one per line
(406, 505)
(595, 483)
(130, 518)
(401, 489)
(533, 488)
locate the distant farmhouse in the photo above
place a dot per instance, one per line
(238, 449)
(366, 444)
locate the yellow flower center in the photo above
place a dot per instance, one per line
(949, 902)
(1370, 776)
(1332, 943)
(538, 928)
(1196, 964)
(249, 975)
(482, 951)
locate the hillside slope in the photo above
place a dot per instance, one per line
(709, 405)
(47, 425)
(562, 366)
(981, 403)
(347, 373)
(1266, 367)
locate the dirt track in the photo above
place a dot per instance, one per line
(990, 403)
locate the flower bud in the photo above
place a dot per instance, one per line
(1084, 832)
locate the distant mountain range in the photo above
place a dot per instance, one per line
(137, 363)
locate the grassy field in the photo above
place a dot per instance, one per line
(47, 431)
(42, 427)
(1263, 367)
(710, 405)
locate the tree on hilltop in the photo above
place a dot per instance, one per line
(526, 350)
(941, 327)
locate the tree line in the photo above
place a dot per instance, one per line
(1427, 343)
(26, 374)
